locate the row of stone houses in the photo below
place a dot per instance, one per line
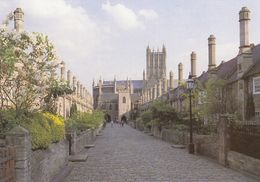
(241, 75)
(80, 97)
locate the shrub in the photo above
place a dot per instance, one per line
(57, 128)
(41, 138)
(83, 121)
(7, 120)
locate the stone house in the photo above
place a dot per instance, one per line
(241, 74)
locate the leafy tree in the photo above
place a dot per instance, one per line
(164, 114)
(27, 63)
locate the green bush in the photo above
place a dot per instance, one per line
(83, 121)
(41, 138)
(57, 128)
(7, 120)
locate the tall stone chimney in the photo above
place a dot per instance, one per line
(93, 83)
(74, 82)
(100, 86)
(143, 75)
(212, 52)
(18, 20)
(193, 58)
(180, 71)
(78, 89)
(69, 78)
(62, 71)
(171, 80)
(244, 19)
(148, 62)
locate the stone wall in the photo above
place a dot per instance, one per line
(45, 164)
(206, 145)
(155, 130)
(242, 162)
(176, 137)
(78, 141)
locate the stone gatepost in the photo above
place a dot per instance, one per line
(73, 140)
(223, 140)
(21, 140)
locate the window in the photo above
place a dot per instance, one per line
(256, 85)
(124, 100)
(257, 114)
(110, 107)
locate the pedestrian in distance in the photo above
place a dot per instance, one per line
(112, 123)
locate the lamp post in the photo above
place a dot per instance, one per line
(190, 86)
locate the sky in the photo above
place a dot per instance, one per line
(107, 38)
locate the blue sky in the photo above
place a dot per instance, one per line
(106, 38)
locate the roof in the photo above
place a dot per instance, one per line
(255, 68)
(137, 84)
(108, 97)
(224, 71)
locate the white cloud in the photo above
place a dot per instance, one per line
(123, 16)
(148, 14)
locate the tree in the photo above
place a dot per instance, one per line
(27, 64)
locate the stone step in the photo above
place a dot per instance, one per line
(178, 146)
(99, 134)
(78, 158)
(89, 146)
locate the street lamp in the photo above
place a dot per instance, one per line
(190, 86)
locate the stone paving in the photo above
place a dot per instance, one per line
(128, 155)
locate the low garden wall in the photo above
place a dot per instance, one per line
(243, 162)
(176, 137)
(206, 145)
(43, 165)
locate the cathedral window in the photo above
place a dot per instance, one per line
(124, 100)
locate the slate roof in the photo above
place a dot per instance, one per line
(255, 68)
(137, 84)
(108, 97)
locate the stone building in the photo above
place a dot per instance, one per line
(118, 98)
(80, 97)
(241, 92)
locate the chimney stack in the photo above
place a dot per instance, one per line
(74, 85)
(180, 71)
(62, 71)
(244, 19)
(171, 80)
(18, 20)
(69, 77)
(212, 52)
(193, 58)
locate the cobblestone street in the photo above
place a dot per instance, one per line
(125, 154)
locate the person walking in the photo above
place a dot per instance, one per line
(112, 123)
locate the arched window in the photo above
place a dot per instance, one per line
(124, 100)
